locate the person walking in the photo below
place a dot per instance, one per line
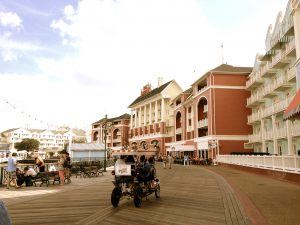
(61, 169)
(170, 161)
(11, 170)
(164, 160)
(185, 160)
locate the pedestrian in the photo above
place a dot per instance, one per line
(61, 169)
(185, 160)
(170, 160)
(11, 170)
(67, 165)
(164, 160)
(39, 163)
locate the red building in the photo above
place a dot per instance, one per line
(211, 117)
(117, 132)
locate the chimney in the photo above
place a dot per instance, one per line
(159, 81)
(146, 89)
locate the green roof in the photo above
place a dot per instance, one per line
(150, 94)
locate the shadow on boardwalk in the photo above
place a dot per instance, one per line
(189, 195)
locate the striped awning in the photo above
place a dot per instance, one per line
(293, 110)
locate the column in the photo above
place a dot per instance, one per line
(140, 118)
(156, 112)
(135, 118)
(289, 137)
(145, 115)
(162, 110)
(262, 130)
(296, 20)
(131, 120)
(275, 144)
(150, 113)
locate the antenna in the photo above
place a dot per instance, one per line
(222, 52)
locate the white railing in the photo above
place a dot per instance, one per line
(202, 89)
(254, 97)
(265, 68)
(254, 117)
(205, 108)
(117, 140)
(277, 107)
(189, 115)
(254, 138)
(291, 73)
(295, 129)
(277, 58)
(256, 76)
(289, 164)
(281, 132)
(202, 123)
(178, 130)
(268, 135)
(189, 128)
(290, 46)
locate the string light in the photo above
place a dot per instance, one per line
(27, 114)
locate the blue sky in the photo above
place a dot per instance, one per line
(66, 61)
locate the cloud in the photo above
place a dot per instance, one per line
(9, 19)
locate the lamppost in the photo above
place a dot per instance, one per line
(105, 126)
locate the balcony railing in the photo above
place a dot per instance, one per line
(295, 128)
(202, 123)
(205, 108)
(280, 163)
(255, 77)
(117, 140)
(268, 135)
(202, 89)
(290, 46)
(178, 130)
(254, 138)
(189, 115)
(281, 132)
(254, 98)
(254, 117)
(189, 128)
(291, 73)
(277, 107)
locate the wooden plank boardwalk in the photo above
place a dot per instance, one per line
(189, 195)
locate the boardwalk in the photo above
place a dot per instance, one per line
(189, 195)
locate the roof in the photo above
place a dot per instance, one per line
(123, 116)
(293, 110)
(150, 94)
(227, 69)
(36, 130)
(87, 147)
(10, 130)
(79, 132)
(188, 92)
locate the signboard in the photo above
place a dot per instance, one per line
(123, 170)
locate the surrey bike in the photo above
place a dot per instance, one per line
(134, 181)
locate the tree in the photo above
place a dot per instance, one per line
(28, 144)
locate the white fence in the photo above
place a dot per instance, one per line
(289, 164)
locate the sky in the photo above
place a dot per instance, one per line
(70, 62)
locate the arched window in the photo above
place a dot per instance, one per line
(95, 137)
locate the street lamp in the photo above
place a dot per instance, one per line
(105, 126)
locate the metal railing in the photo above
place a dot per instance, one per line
(289, 164)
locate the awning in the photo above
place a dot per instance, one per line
(181, 148)
(268, 55)
(293, 110)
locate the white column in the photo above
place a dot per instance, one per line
(150, 113)
(140, 116)
(275, 144)
(131, 120)
(145, 115)
(135, 118)
(162, 110)
(289, 137)
(263, 144)
(156, 112)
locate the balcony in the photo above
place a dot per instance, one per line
(268, 135)
(290, 50)
(254, 80)
(253, 138)
(205, 109)
(281, 132)
(117, 140)
(255, 117)
(178, 130)
(268, 90)
(189, 128)
(277, 107)
(279, 60)
(201, 89)
(291, 74)
(189, 115)
(281, 83)
(295, 129)
(267, 71)
(203, 123)
(254, 99)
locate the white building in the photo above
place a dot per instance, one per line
(49, 139)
